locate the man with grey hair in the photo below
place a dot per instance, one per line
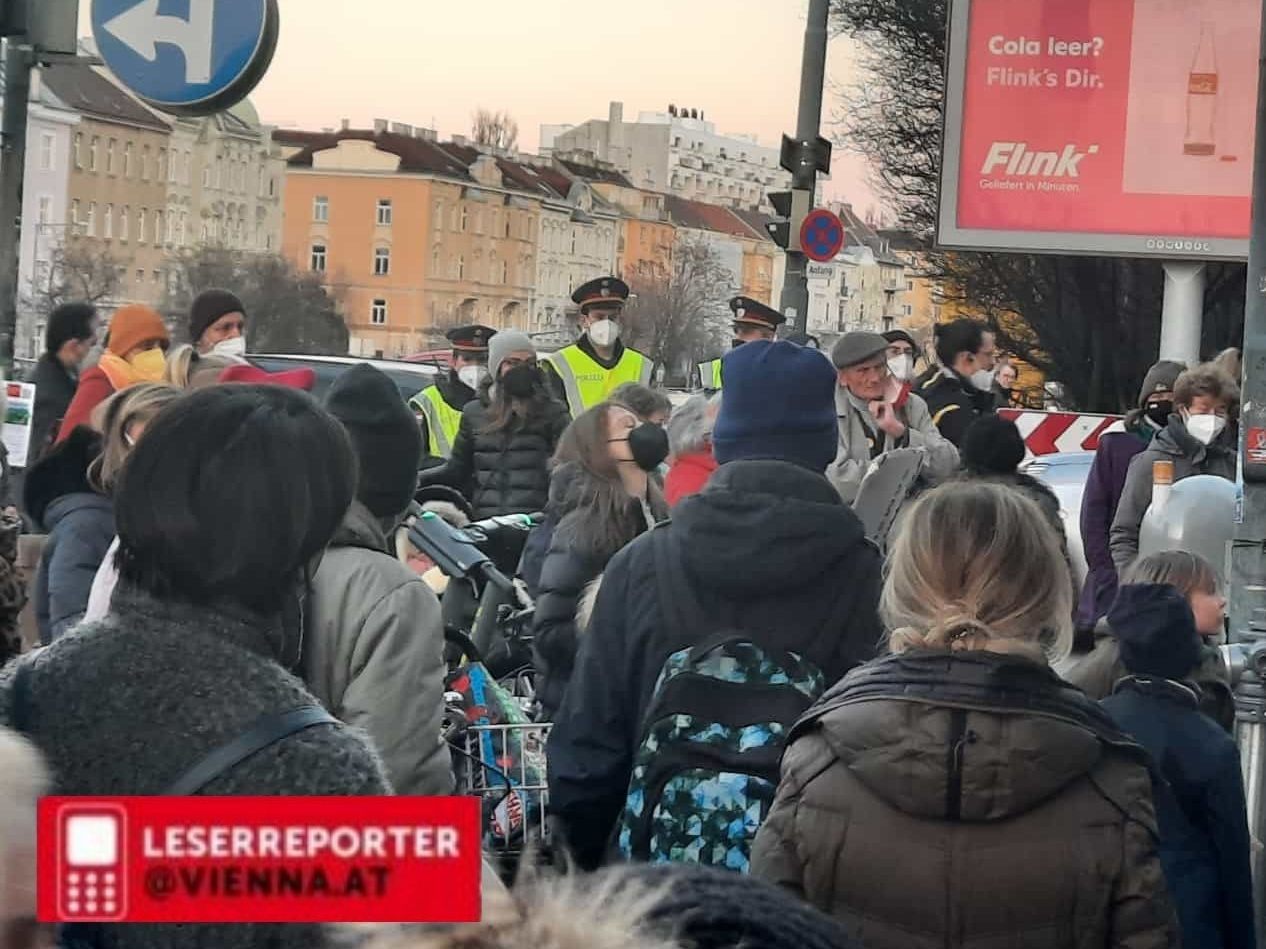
(690, 445)
(878, 414)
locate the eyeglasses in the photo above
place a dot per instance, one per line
(514, 362)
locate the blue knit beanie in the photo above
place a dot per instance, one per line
(778, 404)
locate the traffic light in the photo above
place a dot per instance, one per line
(791, 207)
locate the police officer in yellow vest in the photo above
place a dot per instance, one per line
(439, 407)
(752, 320)
(586, 372)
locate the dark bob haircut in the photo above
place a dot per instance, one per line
(69, 321)
(230, 495)
(961, 336)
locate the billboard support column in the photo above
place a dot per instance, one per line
(1182, 315)
(1248, 549)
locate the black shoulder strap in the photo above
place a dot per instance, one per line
(267, 731)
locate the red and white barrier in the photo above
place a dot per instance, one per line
(1047, 433)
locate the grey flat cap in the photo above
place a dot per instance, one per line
(853, 348)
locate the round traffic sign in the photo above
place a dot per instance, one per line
(821, 235)
(205, 61)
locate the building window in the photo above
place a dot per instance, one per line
(461, 268)
(508, 223)
(92, 153)
(184, 224)
(140, 277)
(110, 156)
(382, 262)
(91, 226)
(140, 225)
(318, 258)
(909, 286)
(435, 261)
(46, 209)
(145, 163)
(505, 271)
(908, 309)
(47, 143)
(378, 313)
(479, 221)
(109, 222)
(127, 160)
(79, 149)
(462, 226)
(321, 209)
(384, 212)
(173, 167)
(74, 215)
(158, 227)
(123, 223)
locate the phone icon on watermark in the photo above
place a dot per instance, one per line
(91, 872)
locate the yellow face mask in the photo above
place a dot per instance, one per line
(149, 365)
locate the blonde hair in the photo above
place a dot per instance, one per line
(554, 912)
(189, 369)
(977, 566)
(1183, 570)
(114, 418)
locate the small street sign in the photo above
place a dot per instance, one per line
(822, 236)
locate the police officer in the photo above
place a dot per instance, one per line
(439, 406)
(586, 372)
(752, 320)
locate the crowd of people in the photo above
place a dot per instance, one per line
(765, 732)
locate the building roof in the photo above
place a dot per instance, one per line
(707, 217)
(609, 176)
(416, 155)
(857, 233)
(83, 89)
(757, 221)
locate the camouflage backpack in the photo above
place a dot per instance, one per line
(706, 768)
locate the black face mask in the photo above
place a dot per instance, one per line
(1159, 412)
(736, 343)
(648, 445)
(521, 382)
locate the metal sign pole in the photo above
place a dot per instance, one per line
(18, 60)
(1248, 549)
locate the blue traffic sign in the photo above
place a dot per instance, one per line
(187, 56)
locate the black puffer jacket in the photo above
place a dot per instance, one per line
(766, 546)
(579, 550)
(504, 472)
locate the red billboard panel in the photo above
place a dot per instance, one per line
(1101, 126)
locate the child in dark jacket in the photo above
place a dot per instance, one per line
(1199, 793)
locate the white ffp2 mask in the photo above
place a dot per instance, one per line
(471, 376)
(901, 367)
(1205, 428)
(235, 347)
(604, 333)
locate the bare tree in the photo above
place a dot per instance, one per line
(494, 129)
(1091, 323)
(78, 271)
(290, 312)
(680, 314)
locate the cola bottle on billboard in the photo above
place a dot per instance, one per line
(1202, 97)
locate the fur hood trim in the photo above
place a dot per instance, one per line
(588, 600)
(567, 912)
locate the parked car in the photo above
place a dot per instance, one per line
(1066, 474)
(411, 378)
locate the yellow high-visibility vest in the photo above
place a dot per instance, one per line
(587, 383)
(442, 420)
(710, 375)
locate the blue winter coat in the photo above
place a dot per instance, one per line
(1204, 839)
(80, 529)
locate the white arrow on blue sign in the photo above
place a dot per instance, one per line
(189, 57)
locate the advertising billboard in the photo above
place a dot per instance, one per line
(1101, 127)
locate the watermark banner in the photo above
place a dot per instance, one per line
(258, 859)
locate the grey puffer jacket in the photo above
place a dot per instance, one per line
(126, 705)
(1189, 458)
(373, 653)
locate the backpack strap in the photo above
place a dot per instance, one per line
(20, 713)
(266, 732)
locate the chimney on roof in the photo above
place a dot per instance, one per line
(672, 110)
(380, 126)
(694, 113)
(346, 124)
(615, 130)
(400, 128)
(427, 135)
(459, 139)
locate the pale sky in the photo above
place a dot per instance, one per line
(433, 63)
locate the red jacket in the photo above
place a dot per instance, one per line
(688, 475)
(94, 388)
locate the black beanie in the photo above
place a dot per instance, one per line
(1156, 631)
(385, 436)
(718, 909)
(208, 307)
(992, 446)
